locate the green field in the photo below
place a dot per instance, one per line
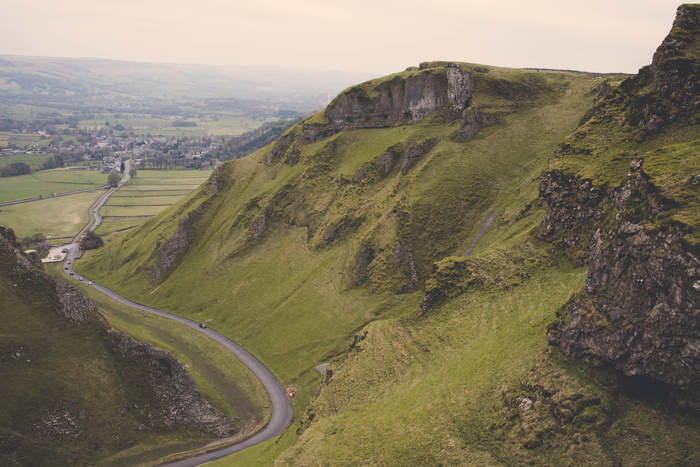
(47, 183)
(128, 192)
(34, 160)
(119, 211)
(115, 224)
(91, 177)
(225, 124)
(165, 184)
(161, 200)
(147, 174)
(63, 216)
(21, 140)
(147, 194)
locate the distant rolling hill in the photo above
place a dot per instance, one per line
(87, 82)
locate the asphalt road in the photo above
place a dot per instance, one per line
(281, 408)
(94, 217)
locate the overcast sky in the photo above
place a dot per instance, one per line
(378, 36)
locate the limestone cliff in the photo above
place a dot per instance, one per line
(175, 248)
(403, 99)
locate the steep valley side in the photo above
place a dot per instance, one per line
(76, 391)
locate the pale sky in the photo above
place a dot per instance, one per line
(377, 36)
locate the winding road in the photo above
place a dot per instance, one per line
(282, 413)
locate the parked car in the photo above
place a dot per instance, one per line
(202, 325)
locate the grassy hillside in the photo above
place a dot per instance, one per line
(69, 396)
(318, 248)
(318, 216)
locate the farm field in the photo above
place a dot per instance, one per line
(73, 176)
(134, 210)
(20, 140)
(144, 196)
(151, 191)
(229, 125)
(33, 160)
(55, 217)
(47, 183)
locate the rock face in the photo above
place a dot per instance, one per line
(402, 100)
(639, 310)
(410, 99)
(172, 251)
(674, 73)
(573, 208)
(280, 146)
(74, 305)
(669, 89)
(8, 246)
(177, 400)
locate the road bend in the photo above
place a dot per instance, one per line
(282, 413)
(281, 416)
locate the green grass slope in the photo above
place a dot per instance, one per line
(68, 398)
(274, 251)
(316, 249)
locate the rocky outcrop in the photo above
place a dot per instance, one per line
(408, 153)
(669, 89)
(674, 72)
(401, 100)
(176, 247)
(405, 99)
(404, 262)
(280, 147)
(259, 227)
(75, 306)
(217, 180)
(175, 399)
(473, 121)
(358, 271)
(414, 153)
(573, 208)
(9, 247)
(639, 308)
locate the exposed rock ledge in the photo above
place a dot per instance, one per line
(179, 401)
(639, 310)
(402, 100)
(176, 247)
